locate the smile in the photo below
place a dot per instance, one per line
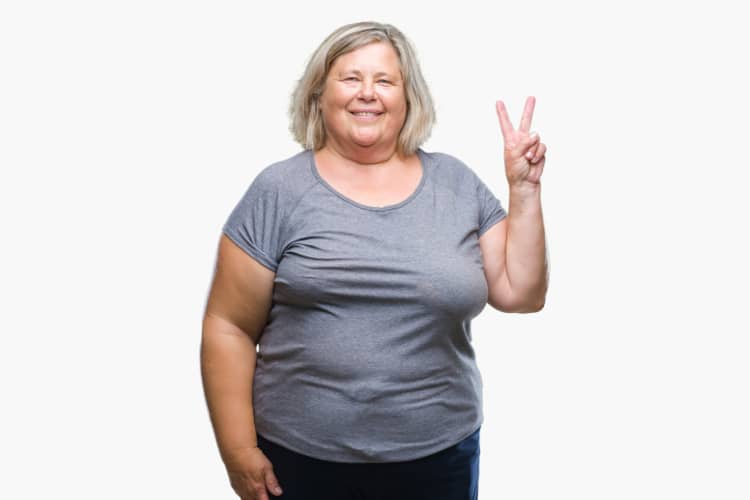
(367, 115)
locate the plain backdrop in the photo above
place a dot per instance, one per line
(129, 130)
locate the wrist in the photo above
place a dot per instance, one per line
(525, 189)
(238, 451)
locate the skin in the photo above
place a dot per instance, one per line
(236, 311)
(514, 249)
(360, 153)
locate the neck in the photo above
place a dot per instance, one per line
(360, 155)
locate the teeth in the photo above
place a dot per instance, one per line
(365, 114)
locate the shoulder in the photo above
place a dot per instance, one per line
(284, 175)
(452, 172)
(278, 187)
(283, 183)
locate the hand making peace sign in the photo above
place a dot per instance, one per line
(523, 152)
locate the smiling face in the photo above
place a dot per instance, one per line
(363, 103)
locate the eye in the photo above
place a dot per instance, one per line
(350, 79)
(383, 80)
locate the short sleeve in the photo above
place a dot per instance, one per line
(254, 223)
(491, 210)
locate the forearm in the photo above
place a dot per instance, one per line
(227, 366)
(526, 252)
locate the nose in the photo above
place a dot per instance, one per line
(367, 90)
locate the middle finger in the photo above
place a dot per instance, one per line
(528, 113)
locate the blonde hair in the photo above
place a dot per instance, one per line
(306, 120)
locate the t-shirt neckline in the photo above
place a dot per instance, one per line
(422, 160)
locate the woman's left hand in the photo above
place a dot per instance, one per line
(523, 151)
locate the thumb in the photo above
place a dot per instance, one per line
(527, 144)
(272, 483)
(532, 139)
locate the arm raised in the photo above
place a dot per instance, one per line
(514, 251)
(514, 257)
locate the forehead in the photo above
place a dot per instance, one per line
(375, 56)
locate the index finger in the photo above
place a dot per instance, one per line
(528, 112)
(505, 126)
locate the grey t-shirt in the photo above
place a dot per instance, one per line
(367, 355)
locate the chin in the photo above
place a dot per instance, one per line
(365, 142)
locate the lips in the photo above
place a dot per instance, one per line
(365, 112)
(363, 116)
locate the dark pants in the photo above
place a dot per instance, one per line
(450, 474)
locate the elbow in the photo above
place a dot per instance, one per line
(536, 301)
(530, 306)
(535, 307)
(538, 304)
(515, 301)
(519, 308)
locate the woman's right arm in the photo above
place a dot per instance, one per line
(236, 312)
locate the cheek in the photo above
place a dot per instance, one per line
(398, 104)
(331, 109)
(399, 110)
(333, 99)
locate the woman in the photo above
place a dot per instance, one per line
(357, 266)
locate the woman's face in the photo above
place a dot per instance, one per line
(363, 102)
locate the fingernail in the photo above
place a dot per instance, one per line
(277, 490)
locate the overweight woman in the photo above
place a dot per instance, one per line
(336, 352)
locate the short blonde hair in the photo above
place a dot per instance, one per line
(306, 120)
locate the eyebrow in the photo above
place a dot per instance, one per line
(358, 72)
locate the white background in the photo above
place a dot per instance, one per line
(129, 130)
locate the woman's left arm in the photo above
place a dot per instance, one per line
(514, 250)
